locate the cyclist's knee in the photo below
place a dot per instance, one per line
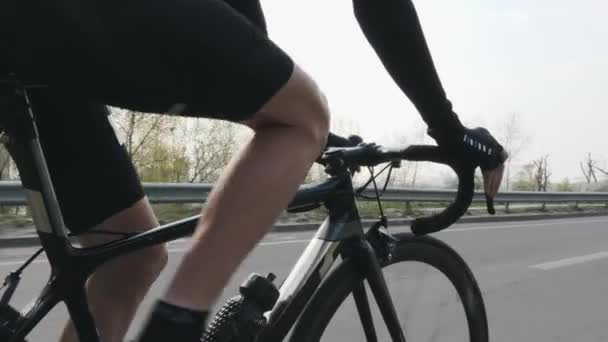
(301, 104)
(324, 121)
(140, 269)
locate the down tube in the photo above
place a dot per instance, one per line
(305, 277)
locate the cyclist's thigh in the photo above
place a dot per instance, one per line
(149, 55)
(91, 172)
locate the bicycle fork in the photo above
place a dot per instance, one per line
(366, 261)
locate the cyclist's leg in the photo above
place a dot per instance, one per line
(97, 188)
(290, 125)
(112, 303)
(290, 132)
(211, 59)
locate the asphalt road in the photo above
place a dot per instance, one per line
(542, 281)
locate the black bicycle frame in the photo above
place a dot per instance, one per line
(341, 234)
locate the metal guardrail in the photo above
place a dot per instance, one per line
(12, 193)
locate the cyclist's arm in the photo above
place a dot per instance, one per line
(393, 30)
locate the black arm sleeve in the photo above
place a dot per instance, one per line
(393, 29)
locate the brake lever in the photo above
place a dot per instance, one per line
(489, 200)
(456, 166)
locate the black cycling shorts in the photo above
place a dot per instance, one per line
(211, 57)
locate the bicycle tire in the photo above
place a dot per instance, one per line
(339, 283)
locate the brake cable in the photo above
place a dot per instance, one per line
(372, 180)
(371, 171)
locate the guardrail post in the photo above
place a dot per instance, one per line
(507, 207)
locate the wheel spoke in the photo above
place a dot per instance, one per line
(365, 313)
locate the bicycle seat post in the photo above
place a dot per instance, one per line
(23, 135)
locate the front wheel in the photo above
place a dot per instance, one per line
(450, 309)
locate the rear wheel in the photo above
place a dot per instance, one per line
(334, 314)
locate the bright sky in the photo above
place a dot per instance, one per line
(543, 59)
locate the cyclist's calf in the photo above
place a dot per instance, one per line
(117, 288)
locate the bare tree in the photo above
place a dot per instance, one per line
(605, 172)
(214, 144)
(513, 139)
(141, 133)
(588, 169)
(157, 144)
(525, 180)
(166, 163)
(541, 173)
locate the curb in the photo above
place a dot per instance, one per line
(32, 240)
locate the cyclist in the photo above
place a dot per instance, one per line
(214, 58)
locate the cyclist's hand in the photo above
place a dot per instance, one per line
(493, 178)
(482, 149)
(476, 147)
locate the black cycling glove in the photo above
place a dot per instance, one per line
(475, 145)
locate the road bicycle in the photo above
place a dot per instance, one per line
(317, 285)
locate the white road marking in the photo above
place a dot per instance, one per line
(570, 261)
